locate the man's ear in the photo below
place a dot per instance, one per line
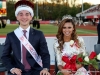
(31, 18)
(16, 18)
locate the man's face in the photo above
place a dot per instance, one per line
(24, 17)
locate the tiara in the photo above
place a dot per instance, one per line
(66, 17)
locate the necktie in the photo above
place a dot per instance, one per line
(25, 63)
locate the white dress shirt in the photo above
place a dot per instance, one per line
(27, 35)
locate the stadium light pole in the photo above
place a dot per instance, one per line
(82, 11)
(82, 5)
(37, 8)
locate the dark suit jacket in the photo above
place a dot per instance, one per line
(98, 32)
(12, 45)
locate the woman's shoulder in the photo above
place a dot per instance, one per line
(56, 43)
(80, 38)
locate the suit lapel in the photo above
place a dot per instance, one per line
(18, 51)
(31, 34)
(31, 37)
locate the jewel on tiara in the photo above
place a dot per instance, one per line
(66, 17)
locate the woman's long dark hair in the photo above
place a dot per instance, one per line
(60, 35)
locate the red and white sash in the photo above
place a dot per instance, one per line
(28, 46)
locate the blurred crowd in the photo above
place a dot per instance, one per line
(2, 23)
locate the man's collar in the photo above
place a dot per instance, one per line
(27, 29)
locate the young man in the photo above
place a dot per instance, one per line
(98, 32)
(25, 50)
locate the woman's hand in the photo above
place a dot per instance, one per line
(66, 71)
(44, 72)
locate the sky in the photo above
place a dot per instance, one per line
(89, 1)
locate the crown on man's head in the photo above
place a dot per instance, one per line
(24, 5)
(24, 2)
(66, 17)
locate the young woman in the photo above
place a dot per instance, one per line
(67, 45)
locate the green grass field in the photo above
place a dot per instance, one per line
(48, 29)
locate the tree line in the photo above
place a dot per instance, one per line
(49, 11)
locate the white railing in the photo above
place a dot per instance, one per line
(90, 41)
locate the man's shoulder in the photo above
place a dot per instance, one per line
(10, 33)
(36, 31)
(99, 23)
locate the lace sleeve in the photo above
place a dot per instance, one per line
(83, 47)
(57, 54)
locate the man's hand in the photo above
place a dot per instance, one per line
(44, 72)
(16, 71)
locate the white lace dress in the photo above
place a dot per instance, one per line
(81, 71)
(68, 50)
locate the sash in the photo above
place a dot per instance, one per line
(28, 46)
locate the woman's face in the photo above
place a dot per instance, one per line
(68, 29)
